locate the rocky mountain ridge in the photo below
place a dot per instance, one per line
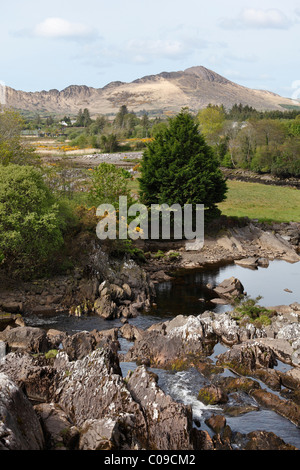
(166, 92)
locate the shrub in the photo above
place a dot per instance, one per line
(250, 308)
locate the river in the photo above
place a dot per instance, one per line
(187, 294)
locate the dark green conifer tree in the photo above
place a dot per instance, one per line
(178, 167)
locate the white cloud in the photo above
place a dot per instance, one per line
(257, 19)
(58, 28)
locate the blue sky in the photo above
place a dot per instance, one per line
(55, 44)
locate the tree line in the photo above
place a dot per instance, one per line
(264, 142)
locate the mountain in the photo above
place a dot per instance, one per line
(167, 92)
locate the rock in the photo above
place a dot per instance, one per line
(203, 441)
(238, 410)
(238, 384)
(127, 290)
(160, 276)
(43, 310)
(20, 428)
(172, 343)
(295, 375)
(11, 320)
(230, 288)
(117, 293)
(212, 395)
(281, 347)
(78, 345)
(92, 388)
(2, 349)
(219, 301)
(250, 262)
(58, 429)
(131, 333)
(31, 374)
(101, 434)
(278, 246)
(290, 332)
(263, 262)
(55, 338)
(263, 440)
(115, 414)
(246, 357)
(26, 338)
(105, 307)
(225, 328)
(216, 422)
(12, 307)
(286, 408)
(169, 423)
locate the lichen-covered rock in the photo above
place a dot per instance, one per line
(105, 307)
(105, 433)
(20, 428)
(248, 356)
(181, 339)
(92, 388)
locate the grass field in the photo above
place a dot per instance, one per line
(257, 201)
(263, 202)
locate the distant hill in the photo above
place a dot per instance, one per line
(167, 92)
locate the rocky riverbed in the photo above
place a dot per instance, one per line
(61, 390)
(68, 391)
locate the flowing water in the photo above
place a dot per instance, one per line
(187, 294)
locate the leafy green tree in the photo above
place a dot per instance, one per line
(30, 222)
(98, 125)
(109, 143)
(211, 123)
(12, 149)
(179, 167)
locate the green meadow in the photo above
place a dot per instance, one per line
(256, 201)
(262, 202)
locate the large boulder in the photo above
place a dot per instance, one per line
(248, 356)
(25, 338)
(172, 343)
(92, 388)
(32, 374)
(278, 246)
